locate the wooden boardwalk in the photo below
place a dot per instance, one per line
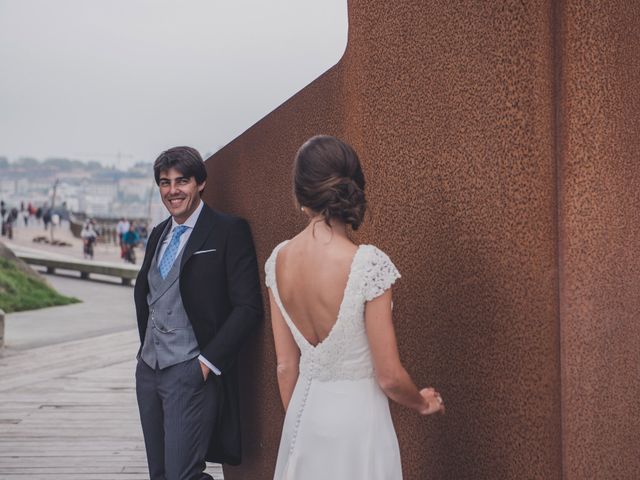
(68, 411)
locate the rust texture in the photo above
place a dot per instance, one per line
(455, 110)
(600, 239)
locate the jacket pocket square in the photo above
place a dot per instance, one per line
(204, 251)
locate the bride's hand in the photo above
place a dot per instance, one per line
(433, 402)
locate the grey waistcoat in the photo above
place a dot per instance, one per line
(169, 338)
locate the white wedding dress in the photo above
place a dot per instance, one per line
(338, 425)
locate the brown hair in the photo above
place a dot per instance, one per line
(328, 179)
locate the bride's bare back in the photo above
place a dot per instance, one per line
(312, 273)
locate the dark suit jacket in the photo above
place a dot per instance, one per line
(221, 294)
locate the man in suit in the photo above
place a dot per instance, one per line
(197, 299)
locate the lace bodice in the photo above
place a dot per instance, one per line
(344, 353)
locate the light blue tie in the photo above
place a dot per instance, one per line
(172, 250)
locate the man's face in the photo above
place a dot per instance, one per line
(180, 194)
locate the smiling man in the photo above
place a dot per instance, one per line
(197, 299)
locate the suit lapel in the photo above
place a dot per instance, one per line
(162, 286)
(152, 245)
(200, 233)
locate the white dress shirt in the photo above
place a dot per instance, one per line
(190, 223)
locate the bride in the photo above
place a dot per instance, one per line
(335, 343)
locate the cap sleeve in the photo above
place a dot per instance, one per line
(270, 266)
(379, 274)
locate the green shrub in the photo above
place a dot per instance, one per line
(19, 291)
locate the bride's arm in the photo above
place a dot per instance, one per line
(391, 375)
(287, 353)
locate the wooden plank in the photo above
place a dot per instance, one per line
(69, 411)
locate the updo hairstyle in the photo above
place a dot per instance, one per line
(328, 180)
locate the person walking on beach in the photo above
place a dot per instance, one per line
(3, 212)
(121, 229)
(89, 237)
(197, 300)
(331, 313)
(129, 242)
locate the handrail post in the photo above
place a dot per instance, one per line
(1, 330)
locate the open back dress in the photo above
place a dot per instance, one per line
(338, 425)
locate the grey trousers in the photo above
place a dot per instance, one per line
(177, 413)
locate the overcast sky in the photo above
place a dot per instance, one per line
(91, 79)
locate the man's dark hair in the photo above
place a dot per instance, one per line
(186, 160)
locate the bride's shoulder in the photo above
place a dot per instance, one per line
(378, 272)
(371, 253)
(270, 264)
(277, 248)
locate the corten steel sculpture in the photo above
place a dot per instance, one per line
(500, 144)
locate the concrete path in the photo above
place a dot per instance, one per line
(23, 237)
(105, 308)
(67, 394)
(106, 265)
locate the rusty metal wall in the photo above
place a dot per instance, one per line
(472, 150)
(599, 146)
